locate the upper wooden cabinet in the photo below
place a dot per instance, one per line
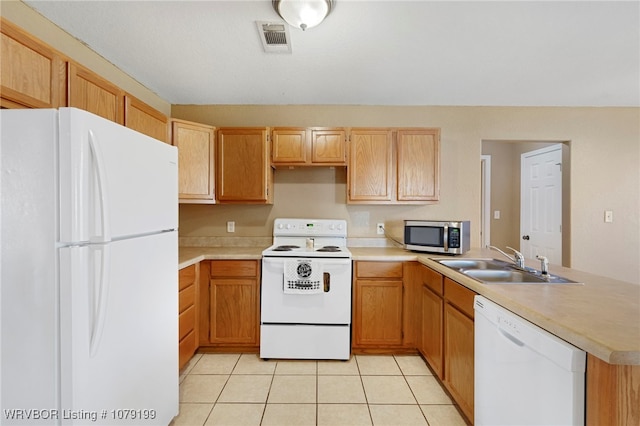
(418, 176)
(32, 74)
(196, 176)
(143, 118)
(289, 146)
(316, 146)
(394, 166)
(369, 178)
(92, 93)
(243, 169)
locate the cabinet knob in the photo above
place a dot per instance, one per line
(525, 237)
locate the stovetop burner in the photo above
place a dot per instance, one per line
(329, 248)
(285, 248)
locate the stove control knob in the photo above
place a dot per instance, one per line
(332, 226)
(340, 227)
(280, 226)
(288, 226)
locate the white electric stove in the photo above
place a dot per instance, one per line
(306, 291)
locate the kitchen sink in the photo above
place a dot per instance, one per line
(475, 263)
(494, 271)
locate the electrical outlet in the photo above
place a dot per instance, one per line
(380, 229)
(231, 226)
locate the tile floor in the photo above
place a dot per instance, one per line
(242, 389)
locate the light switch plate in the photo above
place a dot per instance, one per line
(231, 226)
(608, 216)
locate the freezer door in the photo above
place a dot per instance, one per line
(114, 182)
(119, 331)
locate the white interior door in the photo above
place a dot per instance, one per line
(541, 203)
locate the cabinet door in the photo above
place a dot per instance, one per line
(458, 348)
(195, 144)
(233, 312)
(378, 313)
(145, 119)
(289, 146)
(244, 173)
(370, 176)
(418, 168)
(92, 93)
(329, 147)
(32, 75)
(432, 322)
(187, 314)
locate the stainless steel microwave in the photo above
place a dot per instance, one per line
(447, 237)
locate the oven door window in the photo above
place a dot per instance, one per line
(429, 236)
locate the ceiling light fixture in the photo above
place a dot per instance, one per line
(303, 13)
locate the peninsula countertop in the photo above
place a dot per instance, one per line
(599, 315)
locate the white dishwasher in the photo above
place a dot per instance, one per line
(523, 374)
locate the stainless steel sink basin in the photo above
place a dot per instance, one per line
(504, 276)
(474, 263)
(494, 271)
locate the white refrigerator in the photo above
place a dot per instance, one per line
(89, 279)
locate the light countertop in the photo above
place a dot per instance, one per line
(601, 315)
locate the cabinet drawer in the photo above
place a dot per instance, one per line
(432, 279)
(187, 321)
(379, 269)
(186, 298)
(186, 348)
(459, 296)
(234, 268)
(186, 277)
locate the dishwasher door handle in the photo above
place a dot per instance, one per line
(510, 337)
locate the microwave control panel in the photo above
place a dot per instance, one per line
(454, 237)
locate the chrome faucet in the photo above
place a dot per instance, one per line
(544, 265)
(518, 257)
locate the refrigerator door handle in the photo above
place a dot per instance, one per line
(101, 297)
(102, 190)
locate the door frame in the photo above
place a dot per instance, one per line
(485, 209)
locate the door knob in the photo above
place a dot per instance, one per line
(525, 237)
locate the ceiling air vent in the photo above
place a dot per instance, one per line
(274, 37)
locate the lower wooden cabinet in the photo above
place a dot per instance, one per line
(382, 307)
(232, 304)
(430, 341)
(187, 313)
(458, 344)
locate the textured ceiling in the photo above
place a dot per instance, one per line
(371, 52)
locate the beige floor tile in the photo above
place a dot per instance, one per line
(252, 364)
(413, 365)
(387, 390)
(335, 368)
(192, 414)
(394, 415)
(343, 415)
(378, 365)
(296, 367)
(236, 415)
(443, 415)
(289, 414)
(246, 388)
(293, 390)
(427, 390)
(201, 387)
(340, 389)
(215, 364)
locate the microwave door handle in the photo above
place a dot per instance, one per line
(446, 238)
